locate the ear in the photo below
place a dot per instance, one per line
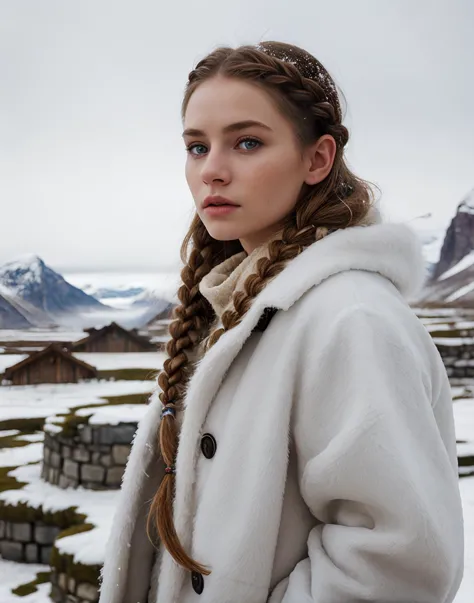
(320, 159)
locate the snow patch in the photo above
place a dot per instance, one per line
(461, 292)
(113, 415)
(463, 264)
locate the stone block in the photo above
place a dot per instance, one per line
(117, 434)
(71, 585)
(13, 551)
(95, 458)
(54, 445)
(92, 473)
(3, 529)
(114, 476)
(56, 594)
(89, 592)
(123, 434)
(106, 460)
(46, 454)
(31, 553)
(120, 453)
(44, 471)
(55, 460)
(45, 554)
(85, 434)
(66, 452)
(72, 599)
(96, 436)
(62, 581)
(53, 476)
(71, 468)
(8, 530)
(81, 454)
(22, 532)
(46, 534)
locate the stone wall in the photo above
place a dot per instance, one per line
(458, 356)
(27, 542)
(66, 589)
(92, 456)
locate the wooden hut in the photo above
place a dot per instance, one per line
(113, 338)
(54, 364)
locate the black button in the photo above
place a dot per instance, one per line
(198, 582)
(208, 445)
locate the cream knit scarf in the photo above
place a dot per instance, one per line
(220, 284)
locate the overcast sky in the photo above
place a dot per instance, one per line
(91, 155)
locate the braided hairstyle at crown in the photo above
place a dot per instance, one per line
(306, 95)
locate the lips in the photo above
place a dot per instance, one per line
(217, 200)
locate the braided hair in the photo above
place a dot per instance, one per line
(307, 96)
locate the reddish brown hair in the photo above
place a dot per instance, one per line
(306, 95)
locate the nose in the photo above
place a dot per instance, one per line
(215, 167)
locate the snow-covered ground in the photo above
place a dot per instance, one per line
(89, 547)
(102, 362)
(24, 401)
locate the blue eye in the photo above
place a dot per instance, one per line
(254, 140)
(194, 146)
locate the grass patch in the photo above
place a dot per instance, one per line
(129, 374)
(12, 442)
(466, 461)
(31, 587)
(128, 399)
(452, 333)
(8, 482)
(23, 425)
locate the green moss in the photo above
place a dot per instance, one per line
(21, 512)
(128, 399)
(452, 333)
(12, 442)
(130, 374)
(23, 425)
(65, 564)
(8, 482)
(70, 424)
(71, 531)
(31, 587)
(466, 461)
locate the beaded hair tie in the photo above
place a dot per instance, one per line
(170, 469)
(168, 411)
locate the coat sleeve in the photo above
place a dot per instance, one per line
(375, 471)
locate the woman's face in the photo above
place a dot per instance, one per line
(259, 167)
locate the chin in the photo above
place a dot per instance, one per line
(223, 232)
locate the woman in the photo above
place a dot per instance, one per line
(316, 459)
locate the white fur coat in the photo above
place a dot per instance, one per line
(335, 474)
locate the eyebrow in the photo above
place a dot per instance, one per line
(240, 125)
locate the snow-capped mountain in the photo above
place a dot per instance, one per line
(452, 278)
(29, 279)
(34, 295)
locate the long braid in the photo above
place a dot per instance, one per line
(191, 317)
